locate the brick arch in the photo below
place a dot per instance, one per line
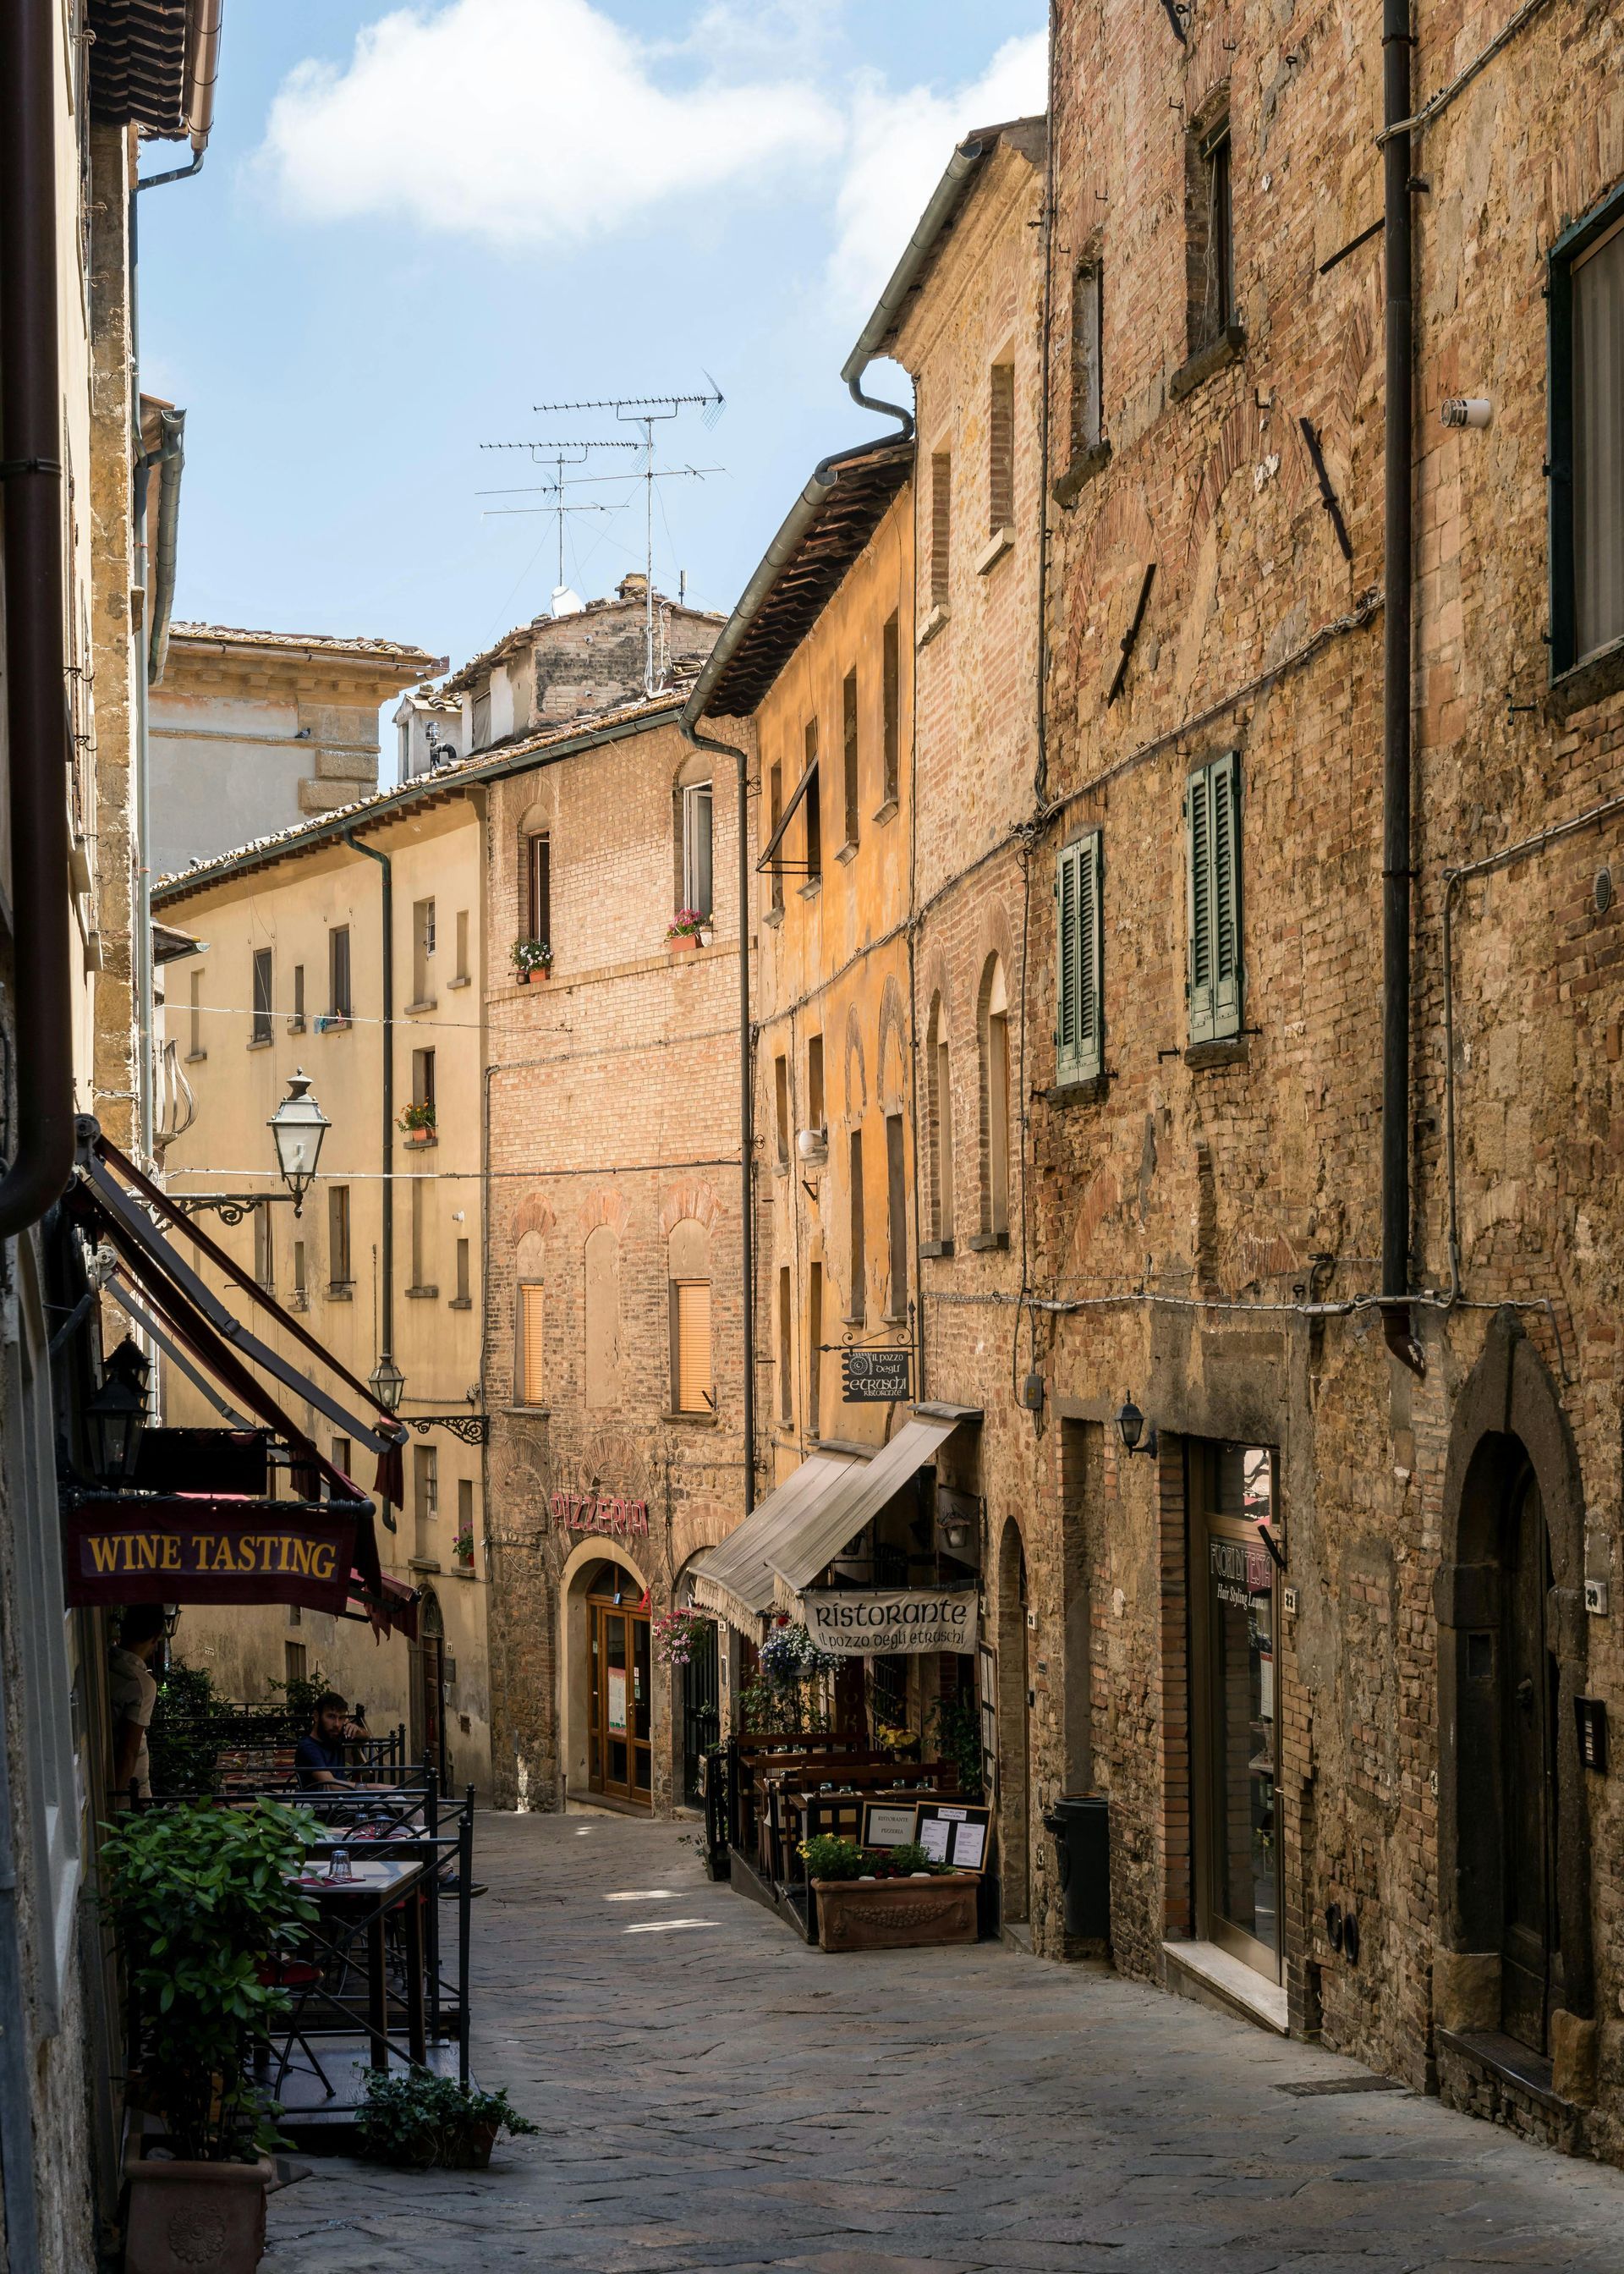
(699, 1200)
(608, 1207)
(532, 1213)
(934, 979)
(997, 939)
(695, 1526)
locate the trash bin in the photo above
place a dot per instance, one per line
(1079, 1823)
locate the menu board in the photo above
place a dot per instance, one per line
(887, 1825)
(955, 1832)
(617, 1698)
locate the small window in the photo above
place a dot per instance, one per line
(338, 1235)
(339, 1005)
(775, 806)
(812, 806)
(464, 1283)
(265, 1252)
(786, 1348)
(1210, 252)
(939, 1106)
(301, 1287)
(691, 1319)
(461, 971)
(196, 1008)
(1080, 1003)
(464, 1542)
(1212, 825)
(293, 1663)
(422, 950)
(343, 1454)
(532, 1377)
(297, 1022)
(538, 887)
(1001, 448)
(426, 1482)
(848, 700)
(780, 1084)
(260, 1030)
(815, 1082)
(422, 1078)
(1087, 337)
(858, 1298)
(896, 1219)
(815, 1350)
(1586, 317)
(422, 1224)
(996, 1080)
(482, 719)
(889, 698)
(697, 817)
(941, 524)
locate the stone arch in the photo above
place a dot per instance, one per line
(574, 1671)
(993, 1082)
(1509, 1425)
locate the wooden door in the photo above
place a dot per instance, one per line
(1529, 1721)
(619, 1703)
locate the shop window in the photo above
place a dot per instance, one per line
(339, 1274)
(697, 889)
(688, 1267)
(1210, 245)
(538, 886)
(786, 1348)
(1001, 448)
(891, 720)
(995, 1038)
(941, 525)
(260, 1031)
(1212, 827)
(1087, 337)
(780, 1090)
(848, 744)
(530, 1369)
(858, 1298)
(896, 1219)
(422, 950)
(1586, 320)
(1080, 941)
(339, 1000)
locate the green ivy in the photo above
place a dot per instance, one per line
(416, 2120)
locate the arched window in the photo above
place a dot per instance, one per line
(693, 1389)
(530, 1377)
(994, 1087)
(939, 1116)
(603, 1316)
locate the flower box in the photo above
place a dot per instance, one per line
(896, 1914)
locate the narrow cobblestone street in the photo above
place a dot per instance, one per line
(712, 2094)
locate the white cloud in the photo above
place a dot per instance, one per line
(521, 121)
(899, 144)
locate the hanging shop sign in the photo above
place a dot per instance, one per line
(620, 1518)
(876, 1377)
(169, 1549)
(861, 1622)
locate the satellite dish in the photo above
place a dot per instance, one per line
(566, 603)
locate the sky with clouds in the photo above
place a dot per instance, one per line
(415, 223)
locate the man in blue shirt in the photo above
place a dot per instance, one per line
(319, 1757)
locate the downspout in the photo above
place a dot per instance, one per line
(387, 1305)
(155, 572)
(1396, 1318)
(170, 459)
(202, 73)
(36, 686)
(747, 1098)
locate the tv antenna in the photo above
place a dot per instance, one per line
(649, 412)
(558, 456)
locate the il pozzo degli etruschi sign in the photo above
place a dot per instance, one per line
(863, 1622)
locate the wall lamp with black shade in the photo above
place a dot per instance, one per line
(117, 1416)
(1130, 1425)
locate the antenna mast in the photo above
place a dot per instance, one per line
(558, 455)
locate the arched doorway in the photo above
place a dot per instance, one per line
(605, 1697)
(1514, 1880)
(1014, 1728)
(428, 1688)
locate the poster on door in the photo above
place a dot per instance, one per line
(617, 1698)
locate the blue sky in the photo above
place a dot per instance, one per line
(396, 247)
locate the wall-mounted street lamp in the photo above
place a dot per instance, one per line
(298, 1126)
(117, 1416)
(1130, 1424)
(387, 1383)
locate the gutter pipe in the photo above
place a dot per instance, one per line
(948, 196)
(170, 459)
(202, 76)
(36, 701)
(155, 572)
(1398, 230)
(386, 1305)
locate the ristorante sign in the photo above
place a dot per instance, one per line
(866, 1623)
(620, 1518)
(186, 1549)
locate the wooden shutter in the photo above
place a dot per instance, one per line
(1079, 1012)
(534, 1381)
(1212, 819)
(693, 1340)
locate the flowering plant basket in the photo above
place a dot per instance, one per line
(676, 1634)
(418, 1118)
(687, 924)
(530, 956)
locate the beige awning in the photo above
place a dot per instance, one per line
(808, 1520)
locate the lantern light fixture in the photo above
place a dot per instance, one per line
(1130, 1426)
(298, 1126)
(387, 1383)
(116, 1417)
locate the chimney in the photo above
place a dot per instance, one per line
(633, 586)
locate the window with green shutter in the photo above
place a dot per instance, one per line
(1079, 998)
(1212, 829)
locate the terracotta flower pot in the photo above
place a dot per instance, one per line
(196, 2218)
(536, 977)
(896, 1914)
(684, 939)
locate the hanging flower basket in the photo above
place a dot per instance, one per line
(676, 1634)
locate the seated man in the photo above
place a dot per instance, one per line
(319, 1757)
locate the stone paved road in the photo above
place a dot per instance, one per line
(714, 2095)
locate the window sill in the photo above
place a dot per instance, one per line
(462, 980)
(332, 1022)
(1080, 473)
(460, 1302)
(1001, 541)
(935, 622)
(194, 1057)
(1218, 355)
(691, 1421)
(780, 1167)
(415, 1010)
(299, 1300)
(887, 812)
(893, 1318)
(935, 1247)
(1233, 1052)
(530, 1412)
(848, 851)
(422, 1294)
(341, 1291)
(296, 1024)
(1090, 1090)
(414, 1144)
(985, 1243)
(423, 1562)
(773, 918)
(813, 886)
(1601, 673)
(261, 1042)
(464, 1571)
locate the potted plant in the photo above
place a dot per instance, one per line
(886, 1898)
(463, 1548)
(201, 1896)
(532, 960)
(675, 1633)
(685, 928)
(417, 2122)
(417, 1121)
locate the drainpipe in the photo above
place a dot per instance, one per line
(1397, 1327)
(746, 1100)
(41, 1149)
(202, 74)
(386, 1308)
(155, 572)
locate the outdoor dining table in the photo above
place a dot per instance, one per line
(361, 1905)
